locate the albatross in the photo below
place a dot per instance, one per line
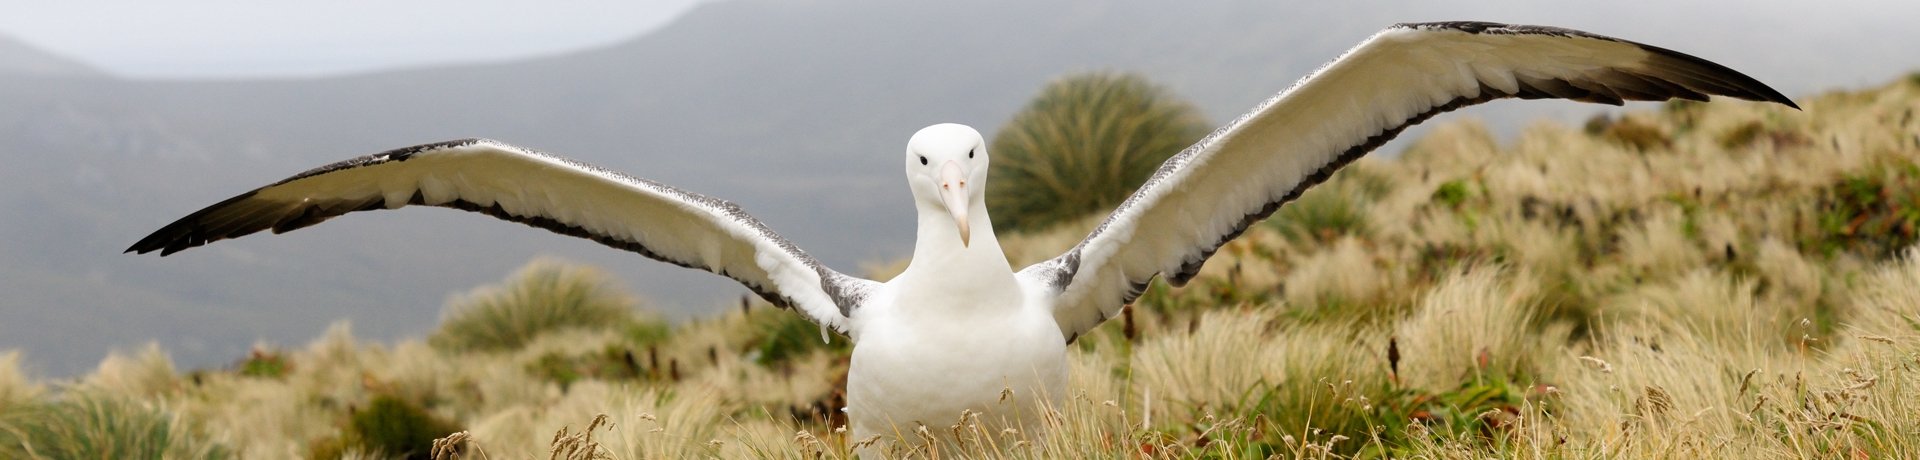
(960, 329)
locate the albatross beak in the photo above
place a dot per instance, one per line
(953, 191)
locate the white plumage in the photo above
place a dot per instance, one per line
(960, 329)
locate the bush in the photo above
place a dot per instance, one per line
(781, 336)
(1082, 145)
(1452, 193)
(544, 296)
(265, 363)
(389, 427)
(1873, 214)
(1330, 210)
(611, 363)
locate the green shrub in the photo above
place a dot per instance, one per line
(1082, 145)
(389, 427)
(780, 336)
(1873, 214)
(1482, 410)
(544, 296)
(264, 363)
(611, 363)
(85, 425)
(1452, 193)
(1329, 210)
(647, 331)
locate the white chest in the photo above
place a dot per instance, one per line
(924, 366)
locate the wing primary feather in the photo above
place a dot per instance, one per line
(306, 217)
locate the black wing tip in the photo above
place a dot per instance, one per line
(1768, 94)
(141, 247)
(191, 231)
(1782, 100)
(1746, 87)
(1742, 86)
(164, 250)
(174, 237)
(188, 232)
(169, 240)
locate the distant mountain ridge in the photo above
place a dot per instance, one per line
(20, 58)
(795, 110)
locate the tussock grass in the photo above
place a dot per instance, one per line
(1082, 145)
(91, 424)
(16, 386)
(1722, 280)
(544, 296)
(1478, 320)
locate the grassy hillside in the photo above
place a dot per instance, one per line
(1724, 280)
(791, 109)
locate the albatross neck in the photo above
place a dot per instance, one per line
(938, 254)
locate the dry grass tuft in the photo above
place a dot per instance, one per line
(16, 387)
(543, 297)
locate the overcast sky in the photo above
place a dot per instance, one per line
(304, 38)
(277, 38)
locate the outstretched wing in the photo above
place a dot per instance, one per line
(1209, 193)
(545, 191)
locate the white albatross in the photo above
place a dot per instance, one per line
(960, 326)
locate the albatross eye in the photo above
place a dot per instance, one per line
(969, 153)
(923, 160)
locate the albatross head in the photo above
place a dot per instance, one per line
(947, 170)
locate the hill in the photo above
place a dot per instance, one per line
(22, 59)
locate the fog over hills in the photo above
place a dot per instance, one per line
(797, 110)
(17, 58)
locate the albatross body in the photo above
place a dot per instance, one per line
(960, 329)
(957, 329)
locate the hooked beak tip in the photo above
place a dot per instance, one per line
(953, 191)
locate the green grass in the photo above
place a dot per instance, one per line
(265, 364)
(388, 427)
(91, 425)
(1873, 213)
(781, 336)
